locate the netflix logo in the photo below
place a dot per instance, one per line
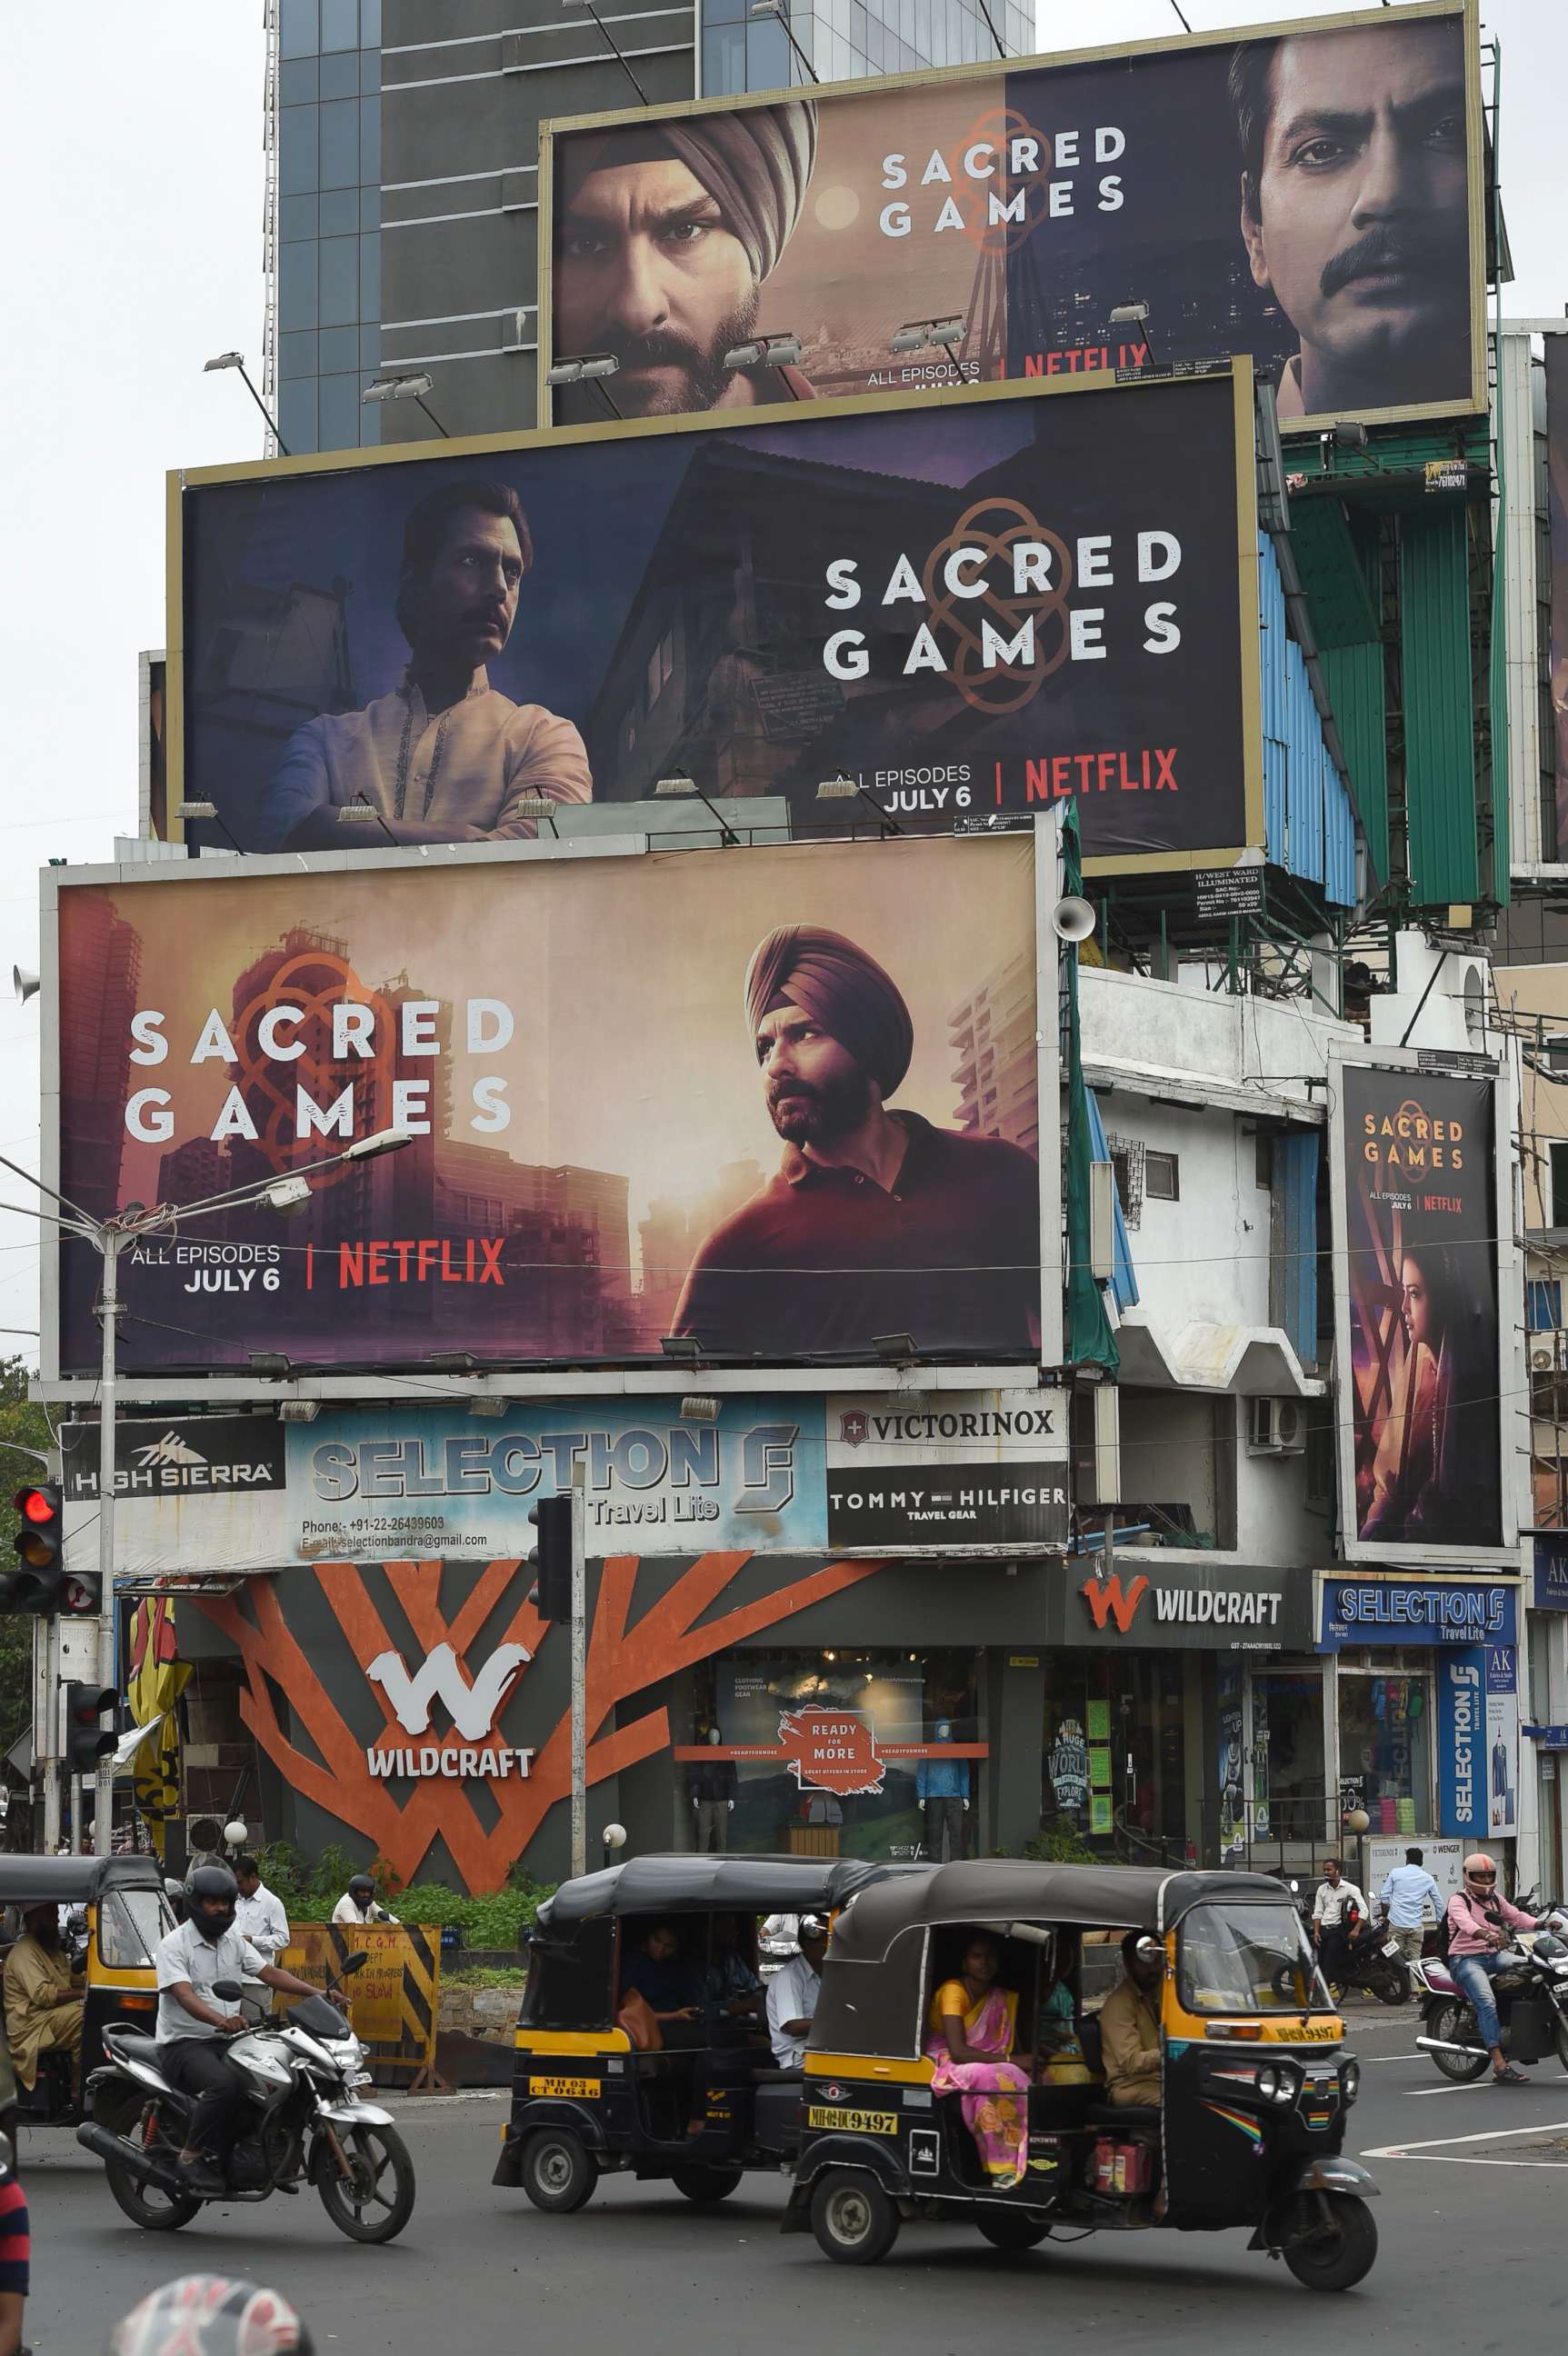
(424, 1259)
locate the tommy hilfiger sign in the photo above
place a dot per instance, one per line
(982, 1470)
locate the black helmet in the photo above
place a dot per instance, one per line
(214, 1895)
(362, 1885)
(209, 2315)
(1548, 1948)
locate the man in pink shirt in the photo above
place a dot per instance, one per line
(1479, 1921)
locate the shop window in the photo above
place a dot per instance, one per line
(1385, 1748)
(1114, 1762)
(1161, 1177)
(855, 1746)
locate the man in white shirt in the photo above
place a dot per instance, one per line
(359, 1904)
(792, 1995)
(260, 1916)
(190, 1962)
(1331, 1919)
(1408, 1889)
(443, 758)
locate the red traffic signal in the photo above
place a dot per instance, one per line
(39, 1544)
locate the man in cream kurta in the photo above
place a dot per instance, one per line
(445, 758)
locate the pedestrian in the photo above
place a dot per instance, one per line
(1408, 1889)
(360, 1903)
(260, 1916)
(1479, 1921)
(1331, 1911)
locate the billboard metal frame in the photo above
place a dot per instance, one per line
(990, 70)
(1422, 1554)
(1520, 414)
(422, 1386)
(851, 406)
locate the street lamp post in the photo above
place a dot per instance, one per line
(108, 1238)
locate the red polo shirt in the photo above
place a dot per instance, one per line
(825, 1260)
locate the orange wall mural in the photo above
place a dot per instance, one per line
(273, 1626)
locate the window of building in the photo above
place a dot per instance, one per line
(1127, 1161)
(1558, 1172)
(1385, 1748)
(1162, 1176)
(1543, 1304)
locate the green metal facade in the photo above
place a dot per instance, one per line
(1441, 768)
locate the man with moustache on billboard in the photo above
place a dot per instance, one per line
(1355, 210)
(665, 240)
(443, 758)
(876, 1222)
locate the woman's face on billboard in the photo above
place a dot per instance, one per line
(1415, 1302)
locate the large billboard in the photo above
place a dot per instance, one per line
(1307, 194)
(792, 1112)
(953, 613)
(1420, 1339)
(1556, 599)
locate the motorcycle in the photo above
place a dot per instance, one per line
(1530, 1990)
(1373, 1961)
(305, 2122)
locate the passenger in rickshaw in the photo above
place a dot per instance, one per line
(1130, 2024)
(43, 2008)
(655, 1970)
(1058, 2049)
(974, 2027)
(731, 1989)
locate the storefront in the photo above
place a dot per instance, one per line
(1144, 1677)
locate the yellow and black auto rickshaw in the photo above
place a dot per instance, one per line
(1254, 2079)
(701, 2103)
(118, 1914)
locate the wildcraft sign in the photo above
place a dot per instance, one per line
(1232, 1609)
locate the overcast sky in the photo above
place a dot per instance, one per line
(131, 182)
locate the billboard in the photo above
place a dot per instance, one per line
(947, 1471)
(770, 1123)
(1309, 195)
(1418, 1336)
(951, 614)
(1556, 599)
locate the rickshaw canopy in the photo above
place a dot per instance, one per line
(874, 1980)
(684, 1884)
(72, 1881)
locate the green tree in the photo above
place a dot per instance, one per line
(22, 1425)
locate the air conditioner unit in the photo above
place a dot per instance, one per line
(1275, 1427)
(204, 1836)
(1542, 1358)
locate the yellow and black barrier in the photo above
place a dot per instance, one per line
(393, 1999)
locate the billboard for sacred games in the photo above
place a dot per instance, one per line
(766, 1125)
(1308, 194)
(1425, 1423)
(954, 614)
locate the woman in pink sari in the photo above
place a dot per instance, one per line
(973, 2025)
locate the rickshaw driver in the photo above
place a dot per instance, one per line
(44, 2007)
(1130, 2025)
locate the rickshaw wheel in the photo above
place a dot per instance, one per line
(1337, 2255)
(557, 2173)
(1010, 2229)
(704, 2186)
(852, 2218)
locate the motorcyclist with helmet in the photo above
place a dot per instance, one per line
(1479, 1921)
(205, 1949)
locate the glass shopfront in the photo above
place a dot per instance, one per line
(1114, 1768)
(858, 1751)
(1385, 1744)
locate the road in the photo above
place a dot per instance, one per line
(638, 2273)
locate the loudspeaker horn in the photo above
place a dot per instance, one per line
(25, 982)
(1072, 919)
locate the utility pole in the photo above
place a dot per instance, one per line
(579, 1674)
(103, 1802)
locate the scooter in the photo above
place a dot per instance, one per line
(1530, 1990)
(305, 2122)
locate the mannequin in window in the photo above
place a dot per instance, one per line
(713, 1784)
(942, 1787)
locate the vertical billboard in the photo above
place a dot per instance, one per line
(758, 1122)
(949, 616)
(1555, 600)
(1307, 194)
(1420, 1345)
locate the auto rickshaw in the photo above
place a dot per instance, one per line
(1255, 2084)
(125, 1913)
(703, 2106)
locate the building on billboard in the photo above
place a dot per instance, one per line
(401, 168)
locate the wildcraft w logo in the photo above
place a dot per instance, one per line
(1107, 1600)
(474, 1707)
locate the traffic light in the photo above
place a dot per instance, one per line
(86, 1741)
(38, 1580)
(551, 1593)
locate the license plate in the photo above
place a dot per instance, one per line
(1393, 1947)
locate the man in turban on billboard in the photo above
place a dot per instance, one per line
(876, 1223)
(665, 237)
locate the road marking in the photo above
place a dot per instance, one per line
(1490, 2135)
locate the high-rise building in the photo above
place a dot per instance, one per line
(402, 142)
